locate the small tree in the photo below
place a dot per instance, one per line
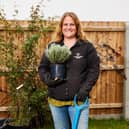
(28, 94)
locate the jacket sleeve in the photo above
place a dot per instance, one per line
(92, 69)
(43, 69)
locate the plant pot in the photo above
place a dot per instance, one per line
(5, 124)
(34, 123)
(58, 71)
(14, 127)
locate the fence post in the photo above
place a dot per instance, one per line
(126, 83)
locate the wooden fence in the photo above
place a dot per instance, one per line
(108, 38)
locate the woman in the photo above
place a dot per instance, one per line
(82, 73)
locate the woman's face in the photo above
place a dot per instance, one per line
(69, 28)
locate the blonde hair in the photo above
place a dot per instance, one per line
(58, 36)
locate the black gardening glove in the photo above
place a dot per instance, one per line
(55, 82)
(82, 95)
(51, 82)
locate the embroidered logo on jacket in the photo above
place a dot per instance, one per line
(78, 56)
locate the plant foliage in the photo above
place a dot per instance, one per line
(19, 62)
(57, 53)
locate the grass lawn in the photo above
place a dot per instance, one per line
(101, 124)
(108, 124)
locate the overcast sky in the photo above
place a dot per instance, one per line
(87, 10)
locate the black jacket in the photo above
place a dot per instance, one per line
(82, 72)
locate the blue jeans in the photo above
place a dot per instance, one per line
(63, 117)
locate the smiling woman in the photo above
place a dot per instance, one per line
(69, 31)
(82, 71)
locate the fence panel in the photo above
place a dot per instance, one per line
(108, 38)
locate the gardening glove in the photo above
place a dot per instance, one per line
(52, 82)
(82, 95)
(55, 82)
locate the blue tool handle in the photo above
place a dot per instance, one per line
(78, 109)
(84, 104)
(76, 119)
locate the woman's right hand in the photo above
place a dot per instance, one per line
(52, 82)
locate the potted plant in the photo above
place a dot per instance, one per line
(58, 55)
